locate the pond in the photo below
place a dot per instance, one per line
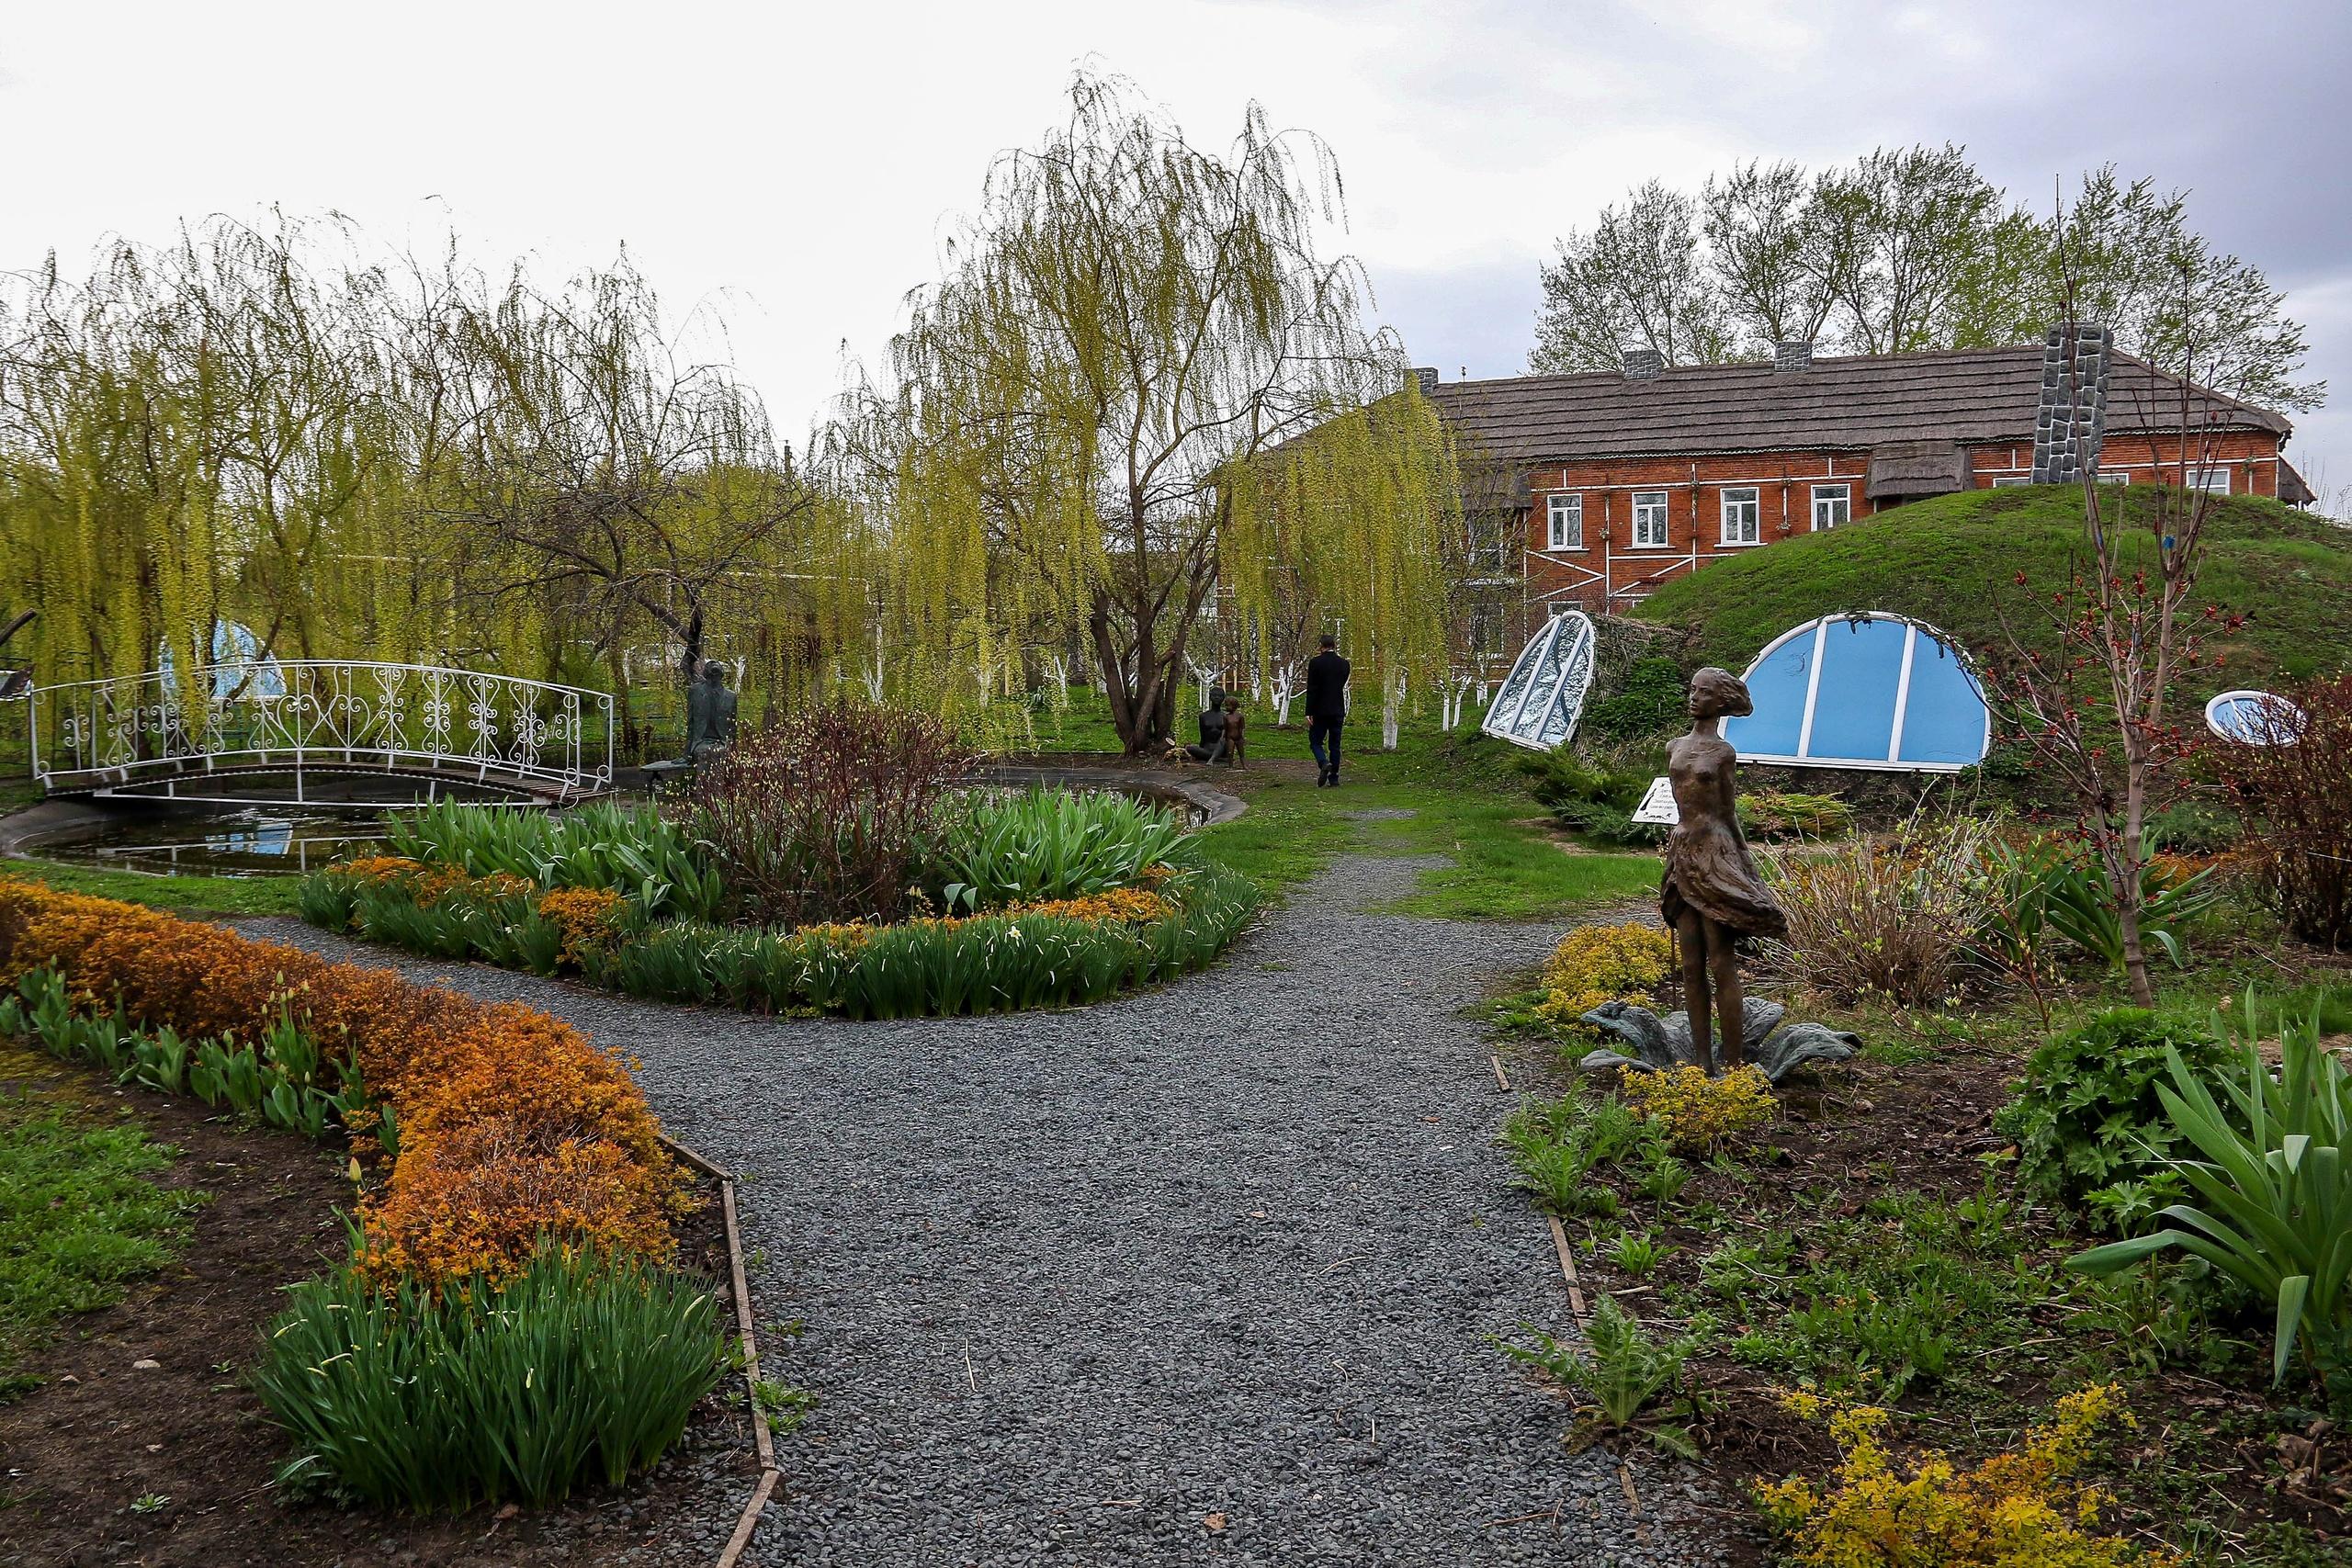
(282, 841)
(251, 842)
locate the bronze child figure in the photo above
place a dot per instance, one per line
(1710, 894)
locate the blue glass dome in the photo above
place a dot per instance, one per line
(1863, 691)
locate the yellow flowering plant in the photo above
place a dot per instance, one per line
(1602, 963)
(1701, 1115)
(2020, 1510)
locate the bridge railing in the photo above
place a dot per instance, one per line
(320, 712)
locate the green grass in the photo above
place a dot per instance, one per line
(197, 894)
(1952, 562)
(80, 1217)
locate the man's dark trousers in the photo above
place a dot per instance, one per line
(1327, 707)
(1317, 731)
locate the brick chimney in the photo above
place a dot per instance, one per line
(1426, 376)
(1642, 364)
(1793, 353)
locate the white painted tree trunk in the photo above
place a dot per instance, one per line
(1283, 692)
(1392, 703)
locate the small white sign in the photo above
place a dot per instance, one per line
(1657, 805)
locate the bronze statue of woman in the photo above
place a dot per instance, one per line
(1710, 894)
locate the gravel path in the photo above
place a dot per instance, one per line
(1120, 1286)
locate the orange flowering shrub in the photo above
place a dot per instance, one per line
(588, 917)
(1121, 906)
(512, 1124)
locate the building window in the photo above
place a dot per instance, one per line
(1567, 522)
(2113, 476)
(1649, 520)
(1833, 506)
(1491, 543)
(2214, 480)
(1743, 517)
(2005, 480)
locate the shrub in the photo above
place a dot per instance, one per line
(1649, 703)
(1603, 963)
(1045, 844)
(828, 815)
(463, 1079)
(1701, 1115)
(582, 1367)
(2295, 790)
(1890, 915)
(2275, 1183)
(2089, 1126)
(1770, 813)
(2021, 1509)
(1556, 1144)
(1591, 798)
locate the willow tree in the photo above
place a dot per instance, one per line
(1084, 406)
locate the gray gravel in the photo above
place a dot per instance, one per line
(1084, 1287)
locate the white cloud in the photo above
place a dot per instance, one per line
(798, 163)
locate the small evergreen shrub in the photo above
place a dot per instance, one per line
(1592, 799)
(583, 1367)
(1650, 703)
(2089, 1126)
(1603, 963)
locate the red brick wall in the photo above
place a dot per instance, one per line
(1611, 572)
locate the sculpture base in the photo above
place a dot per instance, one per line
(1649, 1044)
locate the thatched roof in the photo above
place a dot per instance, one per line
(1850, 403)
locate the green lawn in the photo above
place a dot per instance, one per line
(196, 895)
(1954, 562)
(1465, 794)
(80, 1217)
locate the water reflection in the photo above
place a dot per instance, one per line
(254, 842)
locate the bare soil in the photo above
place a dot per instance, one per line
(100, 1434)
(2223, 1452)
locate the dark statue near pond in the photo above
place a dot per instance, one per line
(1710, 894)
(710, 712)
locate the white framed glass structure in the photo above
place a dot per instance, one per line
(1743, 515)
(1863, 691)
(1567, 522)
(1541, 700)
(2254, 718)
(1649, 520)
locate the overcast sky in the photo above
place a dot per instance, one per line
(795, 165)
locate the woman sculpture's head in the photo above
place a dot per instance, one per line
(1715, 694)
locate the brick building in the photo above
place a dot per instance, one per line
(1592, 489)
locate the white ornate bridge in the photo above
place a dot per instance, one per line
(230, 727)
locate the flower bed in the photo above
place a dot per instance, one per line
(1052, 899)
(515, 1148)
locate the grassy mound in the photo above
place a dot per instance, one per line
(1952, 562)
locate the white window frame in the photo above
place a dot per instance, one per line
(1752, 501)
(2114, 476)
(1564, 521)
(2203, 479)
(1838, 498)
(1650, 506)
(2004, 481)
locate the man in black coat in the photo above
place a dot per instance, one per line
(1326, 708)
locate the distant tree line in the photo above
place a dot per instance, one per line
(1908, 249)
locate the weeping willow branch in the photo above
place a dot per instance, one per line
(1091, 408)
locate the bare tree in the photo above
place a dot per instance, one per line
(1637, 278)
(599, 474)
(1779, 264)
